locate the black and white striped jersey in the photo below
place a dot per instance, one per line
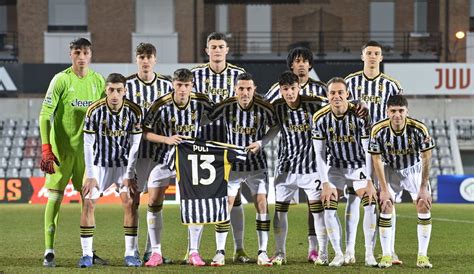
(202, 172)
(343, 136)
(218, 87)
(112, 130)
(296, 153)
(245, 126)
(402, 149)
(166, 118)
(144, 94)
(374, 92)
(310, 88)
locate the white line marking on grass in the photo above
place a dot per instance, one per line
(439, 219)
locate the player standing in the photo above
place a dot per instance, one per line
(179, 113)
(143, 88)
(112, 134)
(345, 135)
(61, 121)
(374, 88)
(401, 151)
(216, 79)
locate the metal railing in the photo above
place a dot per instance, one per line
(8, 46)
(404, 44)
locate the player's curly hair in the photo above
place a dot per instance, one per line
(288, 78)
(145, 48)
(302, 52)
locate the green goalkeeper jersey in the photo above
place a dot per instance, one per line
(66, 101)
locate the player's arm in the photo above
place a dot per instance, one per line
(91, 172)
(375, 149)
(269, 135)
(370, 190)
(424, 194)
(161, 139)
(129, 179)
(329, 191)
(51, 99)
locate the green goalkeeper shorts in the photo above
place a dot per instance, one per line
(71, 167)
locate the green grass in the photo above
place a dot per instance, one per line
(21, 244)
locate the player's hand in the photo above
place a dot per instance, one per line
(132, 186)
(385, 200)
(424, 197)
(48, 159)
(370, 191)
(253, 147)
(328, 193)
(88, 186)
(361, 109)
(173, 140)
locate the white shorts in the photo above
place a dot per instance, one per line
(143, 169)
(408, 179)
(351, 177)
(161, 176)
(107, 176)
(286, 185)
(257, 181)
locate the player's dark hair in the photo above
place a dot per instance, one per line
(244, 76)
(288, 78)
(146, 49)
(183, 75)
(302, 52)
(116, 78)
(216, 36)
(397, 100)
(337, 80)
(371, 43)
(80, 43)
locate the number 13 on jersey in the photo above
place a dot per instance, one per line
(199, 164)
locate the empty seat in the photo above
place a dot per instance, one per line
(37, 162)
(12, 173)
(439, 123)
(29, 152)
(31, 142)
(4, 152)
(446, 162)
(16, 152)
(9, 123)
(2, 173)
(27, 162)
(25, 173)
(34, 123)
(23, 132)
(434, 153)
(5, 142)
(8, 132)
(442, 141)
(444, 152)
(447, 170)
(22, 123)
(18, 142)
(3, 162)
(435, 172)
(14, 162)
(33, 132)
(38, 173)
(440, 132)
(434, 162)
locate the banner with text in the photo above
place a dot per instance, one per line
(456, 189)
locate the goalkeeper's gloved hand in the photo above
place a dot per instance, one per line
(48, 159)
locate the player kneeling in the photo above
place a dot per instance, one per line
(112, 134)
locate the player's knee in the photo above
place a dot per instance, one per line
(237, 200)
(88, 206)
(261, 203)
(422, 206)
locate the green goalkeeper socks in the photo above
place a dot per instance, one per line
(51, 216)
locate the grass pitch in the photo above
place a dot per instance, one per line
(22, 241)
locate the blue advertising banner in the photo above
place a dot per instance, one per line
(456, 189)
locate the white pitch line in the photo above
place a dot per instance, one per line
(440, 219)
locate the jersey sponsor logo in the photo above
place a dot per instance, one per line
(343, 139)
(244, 130)
(299, 128)
(185, 128)
(223, 92)
(371, 99)
(81, 103)
(6, 82)
(113, 133)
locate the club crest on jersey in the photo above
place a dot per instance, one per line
(352, 126)
(173, 120)
(359, 88)
(229, 81)
(193, 115)
(388, 144)
(138, 94)
(381, 87)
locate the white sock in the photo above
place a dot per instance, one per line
(221, 238)
(148, 242)
(263, 227)
(394, 228)
(321, 233)
(385, 231)
(424, 232)
(86, 243)
(352, 221)
(238, 223)
(333, 228)
(280, 229)
(195, 232)
(155, 226)
(370, 223)
(130, 244)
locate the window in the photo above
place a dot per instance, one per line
(67, 15)
(420, 16)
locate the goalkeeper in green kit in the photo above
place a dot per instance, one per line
(61, 121)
